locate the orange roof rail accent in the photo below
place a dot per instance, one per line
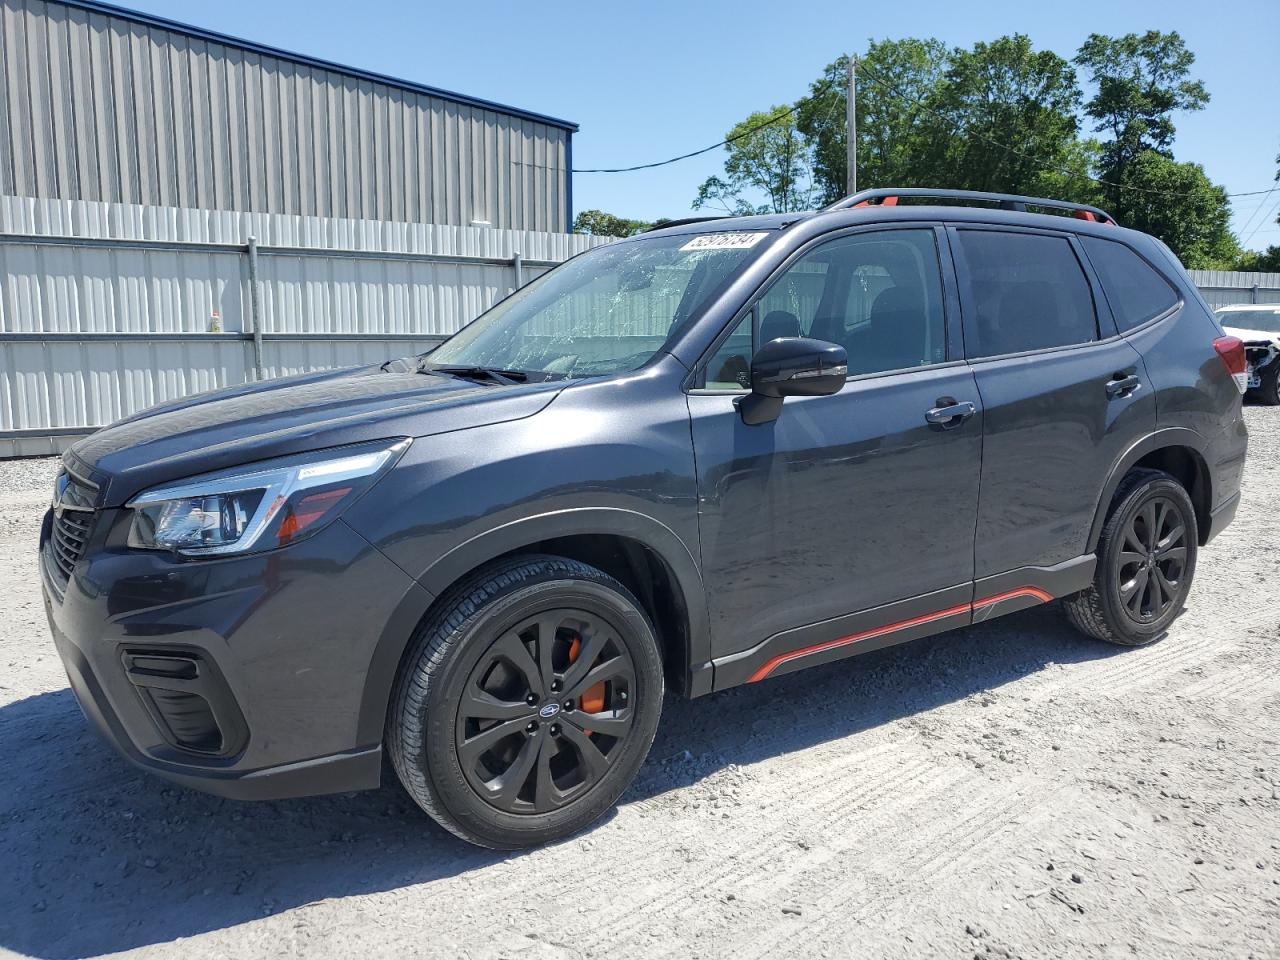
(892, 196)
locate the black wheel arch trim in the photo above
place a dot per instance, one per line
(1162, 439)
(619, 522)
(498, 541)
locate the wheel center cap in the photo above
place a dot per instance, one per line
(549, 710)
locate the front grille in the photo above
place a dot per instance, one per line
(70, 533)
(72, 522)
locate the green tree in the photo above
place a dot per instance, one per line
(1000, 116)
(1268, 261)
(1139, 81)
(601, 224)
(769, 156)
(1178, 203)
(1003, 118)
(897, 77)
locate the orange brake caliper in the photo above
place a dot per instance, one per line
(593, 697)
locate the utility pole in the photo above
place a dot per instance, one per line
(851, 125)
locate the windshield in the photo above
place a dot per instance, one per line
(606, 311)
(1265, 320)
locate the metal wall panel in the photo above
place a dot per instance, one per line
(106, 309)
(95, 105)
(1224, 287)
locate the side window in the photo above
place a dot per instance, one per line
(791, 304)
(1135, 291)
(879, 295)
(1027, 291)
(730, 366)
(882, 300)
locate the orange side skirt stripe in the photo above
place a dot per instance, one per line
(775, 662)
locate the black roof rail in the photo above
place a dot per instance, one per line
(889, 196)
(684, 222)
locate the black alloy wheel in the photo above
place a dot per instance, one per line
(544, 711)
(1146, 561)
(1152, 560)
(527, 701)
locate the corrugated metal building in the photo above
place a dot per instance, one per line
(102, 103)
(108, 308)
(182, 210)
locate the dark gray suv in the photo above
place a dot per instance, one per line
(709, 455)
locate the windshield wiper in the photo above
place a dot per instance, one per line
(505, 377)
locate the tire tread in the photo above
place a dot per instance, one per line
(1085, 610)
(435, 640)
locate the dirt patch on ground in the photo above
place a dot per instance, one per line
(1011, 790)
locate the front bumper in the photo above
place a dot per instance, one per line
(289, 647)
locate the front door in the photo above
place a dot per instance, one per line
(852, 504)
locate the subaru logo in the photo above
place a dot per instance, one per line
(549, 710)
(59, 488)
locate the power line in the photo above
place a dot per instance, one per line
(790, 111)
(917, 102)
(1267, 219)
(1257, 210)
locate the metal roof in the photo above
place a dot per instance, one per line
(164, 23)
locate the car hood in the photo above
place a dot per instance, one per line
(252, 422)
(1244, 333)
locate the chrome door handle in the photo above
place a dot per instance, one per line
(949, 413)
(1122, 386)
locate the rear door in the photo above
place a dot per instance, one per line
(848, 502)
(1063, 396)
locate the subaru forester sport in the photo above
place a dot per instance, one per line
(709, 455)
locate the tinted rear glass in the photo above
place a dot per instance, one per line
(1135, 291)
(1027, 292)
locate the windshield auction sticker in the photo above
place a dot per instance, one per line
(724, 241)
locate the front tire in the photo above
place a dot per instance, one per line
(527, 702)
(1146, 561)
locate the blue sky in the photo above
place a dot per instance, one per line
(652, 80)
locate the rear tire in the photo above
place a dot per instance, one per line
(1146, 562)
(526, 703)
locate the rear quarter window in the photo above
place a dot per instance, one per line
(1136, 292)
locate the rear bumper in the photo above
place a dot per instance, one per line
(284, 644)
(1226, 459)
(1221, 516)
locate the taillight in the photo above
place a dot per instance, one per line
(1231, 350)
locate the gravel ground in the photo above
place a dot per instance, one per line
(1011, 790)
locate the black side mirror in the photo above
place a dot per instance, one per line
(792, 367)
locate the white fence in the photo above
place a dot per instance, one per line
(106, 309)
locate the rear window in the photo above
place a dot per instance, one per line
(1135, 291)
(1027, 292)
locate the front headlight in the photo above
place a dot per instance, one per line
(263, 506)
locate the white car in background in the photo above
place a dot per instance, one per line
(1258, 325)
